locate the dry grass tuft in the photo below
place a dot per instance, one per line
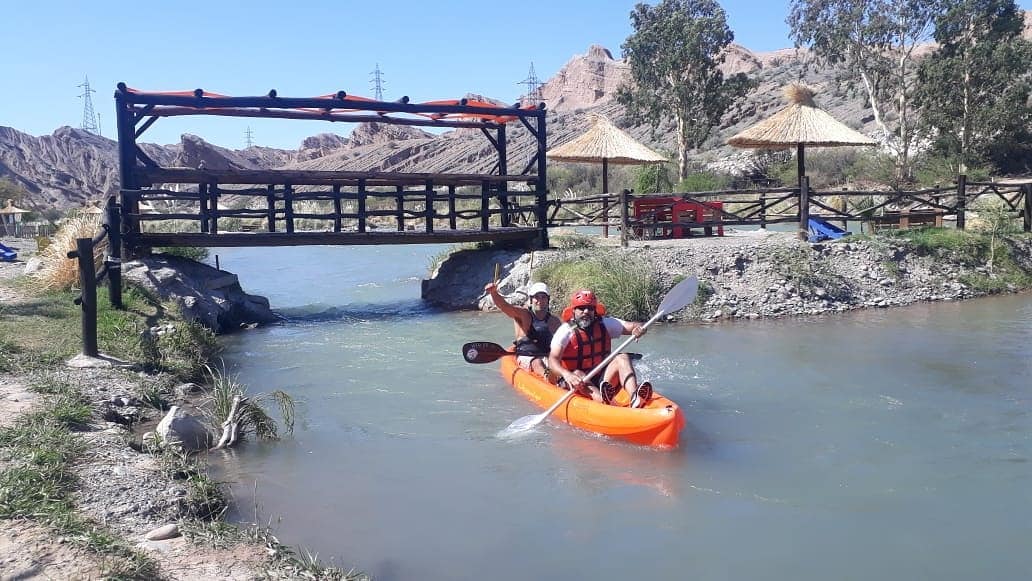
(799, 94)
(58, 272)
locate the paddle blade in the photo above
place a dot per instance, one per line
(680, 296)
(482, 352)
(521, 426)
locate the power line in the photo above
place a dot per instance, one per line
(533, 92)
(249, 137)
(89, 117)
(378, 83)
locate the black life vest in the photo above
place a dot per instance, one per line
(538, 338)
(587, 347)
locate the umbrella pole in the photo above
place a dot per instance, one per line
(800, 163)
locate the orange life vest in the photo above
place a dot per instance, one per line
(587, 347)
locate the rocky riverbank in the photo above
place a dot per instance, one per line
(79, 498)
(759, 274)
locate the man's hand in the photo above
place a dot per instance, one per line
(637, 329)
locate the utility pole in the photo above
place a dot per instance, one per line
(533, 93)
(249, 137)
(89, 117)
(378, 83)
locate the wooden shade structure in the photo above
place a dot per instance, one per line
(799, 124)
(605, 143)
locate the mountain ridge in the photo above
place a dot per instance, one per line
(72, 167)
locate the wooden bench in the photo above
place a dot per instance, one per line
(904, 219)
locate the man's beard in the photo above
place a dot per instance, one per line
(585, 322)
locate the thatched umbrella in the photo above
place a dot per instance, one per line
(799, 124)
(605, 143)
(10, 214)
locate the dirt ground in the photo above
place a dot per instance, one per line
(119, 487)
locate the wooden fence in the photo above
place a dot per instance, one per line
(762, 207)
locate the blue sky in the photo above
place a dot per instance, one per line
(426, 50)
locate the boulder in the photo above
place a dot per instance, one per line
(179, 428)
(459, 280)
(206, 295)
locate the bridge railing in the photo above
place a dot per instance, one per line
(213, 202)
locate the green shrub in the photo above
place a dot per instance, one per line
(704, 181)
(195, 253)
(624, 284)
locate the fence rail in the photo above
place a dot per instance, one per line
(761, 207)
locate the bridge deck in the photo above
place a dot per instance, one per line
(233, 239)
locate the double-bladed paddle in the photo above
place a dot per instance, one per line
(487, 352)
(679, 297)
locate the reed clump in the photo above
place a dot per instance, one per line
(626, 285)
(57, 271)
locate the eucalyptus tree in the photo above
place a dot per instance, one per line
(975, 89)
(675, 55)
(876, 40)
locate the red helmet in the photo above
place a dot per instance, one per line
(583, 298)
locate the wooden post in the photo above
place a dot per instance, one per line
(961, 200)
(429, 209)
(1027, 222)
(542, 181)
(126, 127)
(763, 210)
(485, 205)
(113, 262)
(451, 207)
(213, 215)
(399, 202)
(361, 206)
(503, 169)
(88, 300)
(288, 207)
(623, 217)
(804, 207)
(202, 191)
(270, 198)
(336, 208)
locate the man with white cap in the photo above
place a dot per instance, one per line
(534, 325)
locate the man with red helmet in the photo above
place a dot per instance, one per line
(584, 341)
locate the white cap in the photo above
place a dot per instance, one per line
(538, 287)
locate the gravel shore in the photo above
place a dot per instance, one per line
(754, 274)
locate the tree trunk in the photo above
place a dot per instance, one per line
(682, 147)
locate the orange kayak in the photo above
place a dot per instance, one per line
(657, 424)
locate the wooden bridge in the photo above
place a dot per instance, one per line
(165, 206)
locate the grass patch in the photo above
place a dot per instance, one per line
(46, 329)
(572, 241)
(252, 415)
(963, 245)
(627, 285)
(42, 448)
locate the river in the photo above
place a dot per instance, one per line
(883, 444)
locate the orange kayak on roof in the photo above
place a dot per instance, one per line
(657, 424)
